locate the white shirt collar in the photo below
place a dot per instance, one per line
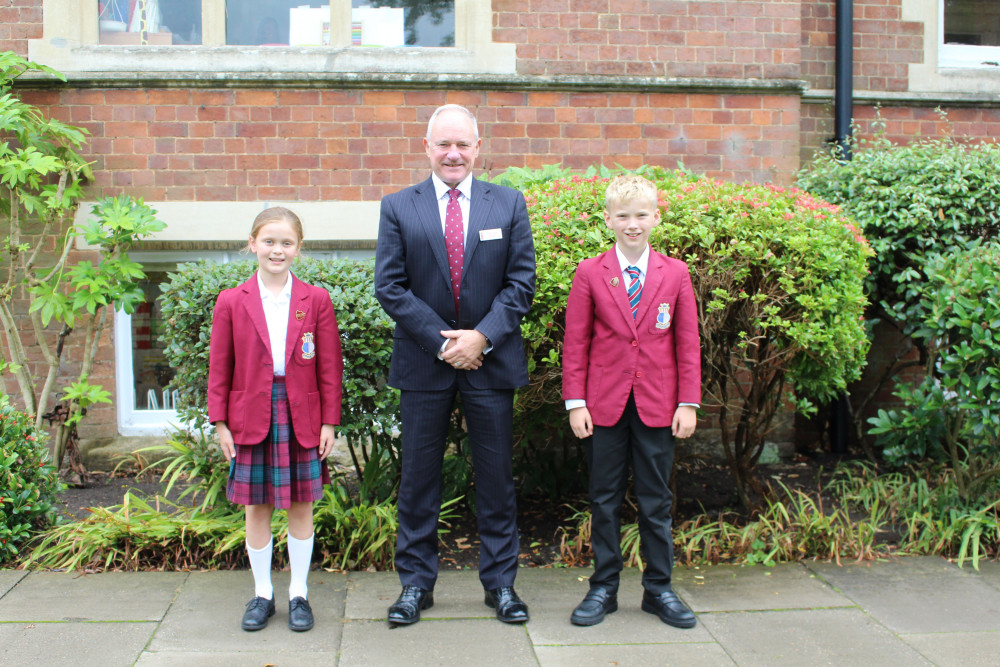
(283, 297)
(642, 264)
(440, 189)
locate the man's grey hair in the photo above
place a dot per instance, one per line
(452, 107)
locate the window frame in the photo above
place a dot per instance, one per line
(966, 56)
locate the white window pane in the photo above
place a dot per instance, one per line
(149, 22)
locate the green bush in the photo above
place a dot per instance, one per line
(778, 276)
(370, 407)
(953, 415)
(29, 483)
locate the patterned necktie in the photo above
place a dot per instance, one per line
(634, 289)
(454, 240)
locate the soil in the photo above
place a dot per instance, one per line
(701, 489)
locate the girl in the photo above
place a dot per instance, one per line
(274, 389)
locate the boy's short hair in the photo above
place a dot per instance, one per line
(629, 187)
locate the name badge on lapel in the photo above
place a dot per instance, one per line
(308, 346)
(663, 316)
(490, 234)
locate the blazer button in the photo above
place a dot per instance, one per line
(638, 374)
(635, 343)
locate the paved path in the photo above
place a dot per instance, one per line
(915, 611)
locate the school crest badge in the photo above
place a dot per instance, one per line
(614, 282)
(300, 315)
(308, 346)
(663, 316)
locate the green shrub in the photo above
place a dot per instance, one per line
(778, 277)
(370, 407)
(953, 415)
(29, 483)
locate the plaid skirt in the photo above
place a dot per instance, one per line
(278, 471)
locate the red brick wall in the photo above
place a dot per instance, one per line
(247, 145)
(684, 38)
(884, 44)
(20, 20)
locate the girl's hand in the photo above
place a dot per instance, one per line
(225, 440)
(327, 435)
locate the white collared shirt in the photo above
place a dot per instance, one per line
(441, 192)
(276, 316)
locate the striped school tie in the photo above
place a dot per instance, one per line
(634, 289)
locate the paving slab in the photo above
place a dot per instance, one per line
(916, 595)
(436, 642)
(237, 659)
(957, 649)
(754, 588)
(9, 579)
(553, 593)
(206, 615)
(690, 655)
(809, 637)
(78, 644)
(458, 594)
(988, 572)
(72, 596)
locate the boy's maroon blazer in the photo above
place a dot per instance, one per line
(607, 354)
(240, 369)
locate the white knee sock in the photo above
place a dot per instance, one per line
(299, 558)
(260, 564)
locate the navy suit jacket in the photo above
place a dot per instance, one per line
(414, 287)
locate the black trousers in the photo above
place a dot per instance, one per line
(489, 416)
(651, 451)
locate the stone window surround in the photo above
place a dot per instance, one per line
(943, 70)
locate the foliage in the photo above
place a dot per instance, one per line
(954, 413)
(196, 462)
(778, 278)
(914, 202)
(41, 174)
(369, 416)
(29, 485)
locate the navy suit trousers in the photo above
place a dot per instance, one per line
(489, 419)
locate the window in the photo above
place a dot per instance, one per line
(969, 33)
(189, 39)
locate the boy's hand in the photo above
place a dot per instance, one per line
(685, 420)
(580, 422)
(327, 435)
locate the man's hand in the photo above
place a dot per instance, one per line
(327, 435)
(580, 422)
(685, 420)
(464, 349)
(225, 440)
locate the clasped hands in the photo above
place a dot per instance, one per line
(464, 349)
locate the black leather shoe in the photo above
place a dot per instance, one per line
(669, 608)
(406, 609)
(258, 611)
(510, 608)
(300, 615)
(595, 606)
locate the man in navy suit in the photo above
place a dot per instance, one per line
(455, 269)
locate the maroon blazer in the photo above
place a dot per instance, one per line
(240, 369)
(607, 355)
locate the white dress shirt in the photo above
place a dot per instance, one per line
(276, 316)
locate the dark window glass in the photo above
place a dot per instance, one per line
(150, 371)
(403, 23)
(972, 22)
(149, 22)
(278, 22)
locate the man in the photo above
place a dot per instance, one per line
(455, 269)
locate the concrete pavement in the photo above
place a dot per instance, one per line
(914, 611)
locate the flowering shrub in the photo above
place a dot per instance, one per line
(778, 275)
(29, 482)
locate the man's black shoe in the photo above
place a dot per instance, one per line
(406, 609)
(258, 611)
(510, 608)
(669, 608)
(300, 615)
(595, 606)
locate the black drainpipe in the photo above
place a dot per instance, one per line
(843, 111)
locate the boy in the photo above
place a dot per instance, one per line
(632, 380)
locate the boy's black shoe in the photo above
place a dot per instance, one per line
(406, 609)
(258, 611)
(300, 615)
(595, 606)
(669, 608)
(510, 608)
